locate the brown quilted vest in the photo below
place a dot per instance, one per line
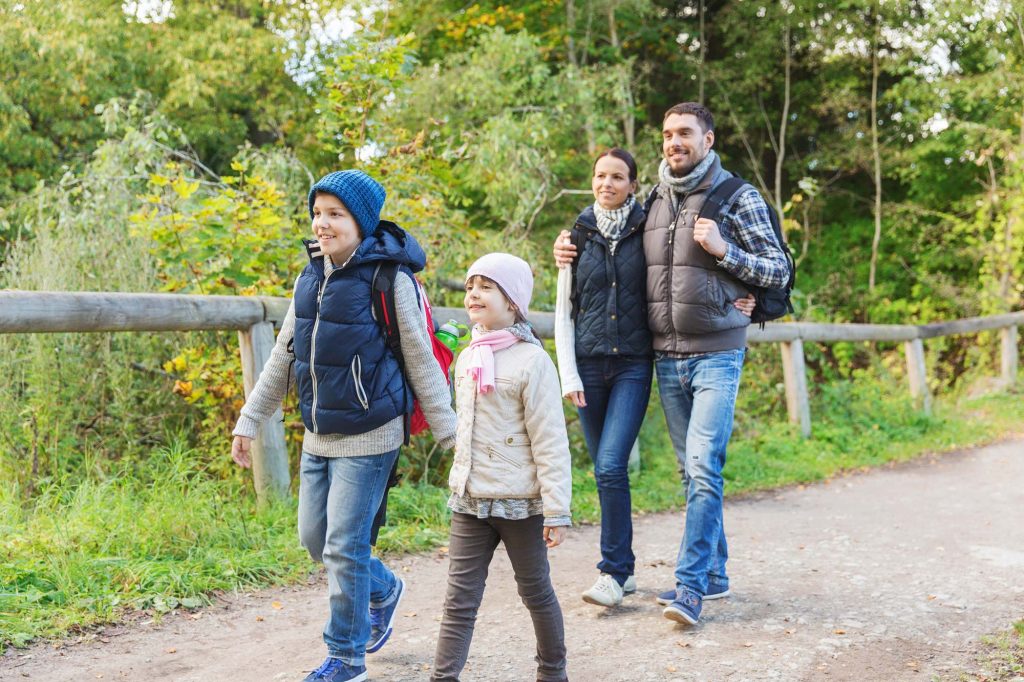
(689, 297)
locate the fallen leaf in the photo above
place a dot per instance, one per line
(259, 619)
(672, 669)
(748, 644)
(682, 643)
(172, 650)
(409, 614)
(931, 597)
(276, 605)
(839, 632)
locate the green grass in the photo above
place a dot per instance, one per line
(1001, 658)
(90, 549)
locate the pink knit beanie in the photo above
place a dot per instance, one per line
(511, 273)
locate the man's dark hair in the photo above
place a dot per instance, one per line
(703, 114)
(621, 155)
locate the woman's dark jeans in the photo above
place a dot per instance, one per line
(616, 390)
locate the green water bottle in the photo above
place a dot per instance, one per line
(450, 333)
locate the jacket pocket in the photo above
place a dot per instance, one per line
(357, 382)
(511, 450)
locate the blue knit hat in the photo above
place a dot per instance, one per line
(362, 195)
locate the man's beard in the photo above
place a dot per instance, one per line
(688, 168)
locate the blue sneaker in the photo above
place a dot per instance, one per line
(337, 670)
(714, 592)
(685, 608)
(382, 620)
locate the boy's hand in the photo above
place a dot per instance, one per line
(577, 398)
(564, 250)
(554, 535)
(240, 451)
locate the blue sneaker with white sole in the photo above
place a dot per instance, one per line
(337, 670)
(382, 620)
(714, 592)
(685, 608)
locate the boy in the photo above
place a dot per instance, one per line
(354, 401)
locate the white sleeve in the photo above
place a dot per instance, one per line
(565, 334)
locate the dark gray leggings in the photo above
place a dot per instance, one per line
(470, 550)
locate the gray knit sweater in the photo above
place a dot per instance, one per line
(424, 375)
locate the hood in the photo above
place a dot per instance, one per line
(388, 242)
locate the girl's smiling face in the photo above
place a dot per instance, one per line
(335, 228)
(487, 305)
(611, 183)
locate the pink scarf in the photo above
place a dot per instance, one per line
(481, 359)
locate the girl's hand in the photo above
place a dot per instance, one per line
(745, 305)
(240, 451)
(554, 535)
(576, 398)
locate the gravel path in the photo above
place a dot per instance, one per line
(889, 575)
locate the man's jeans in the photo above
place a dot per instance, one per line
(698, 396)
(616, 391)
(338, 498)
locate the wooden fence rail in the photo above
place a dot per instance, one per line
(255, 318)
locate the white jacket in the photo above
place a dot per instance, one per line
(511, 442)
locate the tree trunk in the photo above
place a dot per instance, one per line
(877, 156)
(780, 155)
(625, 95)
(700, 63)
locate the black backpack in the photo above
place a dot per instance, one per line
(771, 304)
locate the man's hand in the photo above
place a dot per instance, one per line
(705, 233)
(554, 535)
(564, 249)
(745, 305)
(240, 451)
(577, 399)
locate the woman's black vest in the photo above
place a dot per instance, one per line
(609, 293)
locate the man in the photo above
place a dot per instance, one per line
(695, 269)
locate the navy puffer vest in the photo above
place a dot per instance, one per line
(348, 380)
(609, 290)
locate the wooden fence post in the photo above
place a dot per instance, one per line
(1008, 335)
(795, 374)
(269, 454)
(918, 374)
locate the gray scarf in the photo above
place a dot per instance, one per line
(672, 187)
(610, 223)
(524, 332)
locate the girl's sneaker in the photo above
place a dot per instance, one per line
(685, 608)
(337, 670)
(605, 592)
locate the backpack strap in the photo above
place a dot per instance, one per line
(721, 198)
(382, 304)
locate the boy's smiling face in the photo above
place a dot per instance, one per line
(334, 227)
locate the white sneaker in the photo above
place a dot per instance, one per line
(605, 592)
(629, 587)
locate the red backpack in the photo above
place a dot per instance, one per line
(383, 304)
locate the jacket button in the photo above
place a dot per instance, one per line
(613, 316)
(509, 440)
(615, 349)
(613, 284)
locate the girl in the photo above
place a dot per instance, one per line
(511, 480)
(605, 354)
(354, 399)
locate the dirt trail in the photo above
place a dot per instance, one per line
(891, 575)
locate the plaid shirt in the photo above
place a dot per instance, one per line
(752, 253)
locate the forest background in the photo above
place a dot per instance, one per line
(168, 146)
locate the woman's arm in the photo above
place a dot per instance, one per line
(565, 338)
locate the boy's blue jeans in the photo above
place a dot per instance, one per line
(617, 391)
(698, 396)
(338, 499)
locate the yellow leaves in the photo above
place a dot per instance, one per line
(182, 388)
(183, 188)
